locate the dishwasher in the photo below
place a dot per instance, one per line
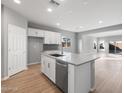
(62, 75)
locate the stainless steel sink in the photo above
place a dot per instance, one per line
(56, 55)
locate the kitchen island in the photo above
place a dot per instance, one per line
(80, 76)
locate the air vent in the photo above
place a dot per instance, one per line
(54, 3)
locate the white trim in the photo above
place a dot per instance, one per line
(34, 63)
(5, 78)
(26, 68)
(92, 89)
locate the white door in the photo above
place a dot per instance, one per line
(17, 59)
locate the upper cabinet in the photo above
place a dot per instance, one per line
(35, 32)
(52, 37)
(58, 38)
(49, 37)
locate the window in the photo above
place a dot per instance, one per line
(66, 42)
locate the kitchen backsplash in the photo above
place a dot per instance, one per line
(50, 47)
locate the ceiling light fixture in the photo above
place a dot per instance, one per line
(100, 22)
(17, 1)
(70, 12)
(49, 9)
(62, 0)
(80, 26)
(85, 3)
(58, 24)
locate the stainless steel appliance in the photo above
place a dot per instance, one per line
(62, 75)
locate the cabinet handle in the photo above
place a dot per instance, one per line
(48, 65)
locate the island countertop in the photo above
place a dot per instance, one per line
(72, 58)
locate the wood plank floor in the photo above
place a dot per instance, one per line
(109, 75)
(108, 79)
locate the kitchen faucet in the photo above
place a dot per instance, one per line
(61, 49)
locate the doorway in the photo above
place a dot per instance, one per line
(35, 47)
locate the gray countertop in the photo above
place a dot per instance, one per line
(72, 58)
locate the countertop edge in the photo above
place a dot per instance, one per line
(69, 62)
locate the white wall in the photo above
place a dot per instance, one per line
(86, 45)
(107, 40)
(93, 31)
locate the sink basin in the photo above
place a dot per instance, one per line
(56, 55)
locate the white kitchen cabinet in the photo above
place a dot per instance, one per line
(58, 38)
(52, 69)
(48, 67)
(35, 32)
(49, 37)
(79, 78)
(43, 65)
(52, 37)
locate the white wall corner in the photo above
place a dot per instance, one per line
(34, 63)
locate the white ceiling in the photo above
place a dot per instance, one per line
(106, 34)
(72, 15)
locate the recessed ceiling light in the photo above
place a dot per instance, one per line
(17, 1)
(58, 24)
(61, 0)
(80, 26)
(100, 22)
(85, 3)
(49, 9)
(70, 12)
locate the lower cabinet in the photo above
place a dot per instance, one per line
(48, 67)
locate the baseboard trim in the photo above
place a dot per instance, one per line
(34, 63)
(7, 77)
(92, 89)
(4, 78)
(26, 68)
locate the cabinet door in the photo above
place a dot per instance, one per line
(58, 38)
(42, 64)
(46, 66)
(52, 70)
(47, 37)
(53, 38)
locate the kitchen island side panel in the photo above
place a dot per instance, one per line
(83, 78)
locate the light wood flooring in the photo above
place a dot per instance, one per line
(108, 79)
